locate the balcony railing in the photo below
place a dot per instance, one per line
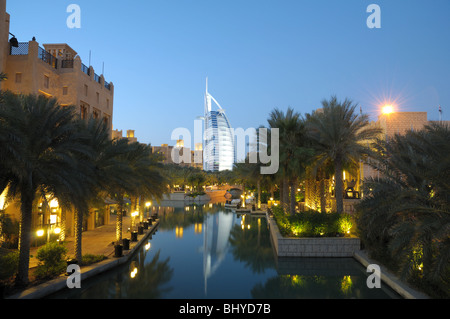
(108, 85)
(47, 58)
(67, 64)
(96, 78)
(85, 69)
(21, 50)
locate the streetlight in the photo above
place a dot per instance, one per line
(387, 109)
(148, 204)
(13, 41)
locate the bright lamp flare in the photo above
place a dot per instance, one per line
(388, 109)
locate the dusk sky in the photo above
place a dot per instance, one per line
(258, 55)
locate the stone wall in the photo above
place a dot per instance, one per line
(312, 247)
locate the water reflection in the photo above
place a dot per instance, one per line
(136, 280)
(204, 251)
(250, 242)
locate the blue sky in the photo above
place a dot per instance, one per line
(258, 55)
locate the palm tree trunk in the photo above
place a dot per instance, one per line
(339, 187)
(78, 234)
(119, 220)
(27, 198)
(323, 202)
(293, 191)
(62, 235)
(285, 194)
(258, 185)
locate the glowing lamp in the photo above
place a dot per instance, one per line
(40, 233)
(388, 109)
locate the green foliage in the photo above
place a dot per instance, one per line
(8, 265)
(51, 260)
(90, 259)
(404, 216)
(9, 232)
(313, 224)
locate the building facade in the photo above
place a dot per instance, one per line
(55, 71)
(219, 144)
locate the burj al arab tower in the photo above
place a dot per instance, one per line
(218, 148)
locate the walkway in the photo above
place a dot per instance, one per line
(98, 241)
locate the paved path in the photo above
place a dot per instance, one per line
(98, 241)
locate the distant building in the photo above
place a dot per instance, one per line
(219, 150)
(179, 151)
(116, 134)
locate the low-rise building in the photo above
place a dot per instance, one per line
(56, 71)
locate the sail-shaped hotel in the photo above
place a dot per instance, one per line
(218, 148)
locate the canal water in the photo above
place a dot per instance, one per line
(209, 252)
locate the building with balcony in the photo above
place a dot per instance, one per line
(53, 70)
(56, 71)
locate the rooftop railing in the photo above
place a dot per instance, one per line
(96, 78)
(85, 69)
(47, 58)
(67, 64)
(108, 85)
(21, 50)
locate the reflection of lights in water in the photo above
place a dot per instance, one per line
(179, 232)
(346, 284)
(198, 227)
(147, 247)
(133, 270)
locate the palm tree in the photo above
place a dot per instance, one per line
(407, 209)
(145, 178)
(294, 153)
(45, 141)
(340, 136)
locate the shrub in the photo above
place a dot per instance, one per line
(90, 259)
(8, 265)
(313, 224)
(51, 260)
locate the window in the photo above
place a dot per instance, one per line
(65, 90)
(107, 104)
(18, 77)
(83, 112)
(85, 90)
(98, 98)
(46, 82)
(95, 114)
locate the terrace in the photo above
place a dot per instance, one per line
(23, 49)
